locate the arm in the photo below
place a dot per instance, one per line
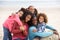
(25, 32)
(15, 28)
(17, 19)
(54, 30)
(15, 31)
(49, 27)
(41, 34)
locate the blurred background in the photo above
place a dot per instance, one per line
(50, 7)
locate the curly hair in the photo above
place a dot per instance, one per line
(44, 15)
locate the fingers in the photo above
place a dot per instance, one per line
(34, 30)
(22, 28)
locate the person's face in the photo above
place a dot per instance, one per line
(34, 21)
(28, 17)
(41, 19)
(20, 13)
(31, 9)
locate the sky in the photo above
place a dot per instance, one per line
(38, 3)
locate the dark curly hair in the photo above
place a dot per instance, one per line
(44, 15)
(36, 12)
(22, 9)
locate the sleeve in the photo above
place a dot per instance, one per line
(43, 34)
(17, 19)
(50, 27)
(26, 31)
(15, 28)
(32, 28)
(40, 34)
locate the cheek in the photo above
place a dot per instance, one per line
(21, 14)
(41, 20)
(27, 19)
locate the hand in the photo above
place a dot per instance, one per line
(55, 32)
(22, 28)
(34, 30)
(25, 33)
(59, 38)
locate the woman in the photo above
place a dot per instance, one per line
(21, 32)
(34, 34)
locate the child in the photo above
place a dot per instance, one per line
(42, 20)
(8, 24)
(42, 24)
(41, 27)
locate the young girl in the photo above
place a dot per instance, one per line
(42, 20)
(42, 24)
(21, 32)
(8, 24)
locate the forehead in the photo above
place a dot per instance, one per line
(21, 11)
(35, 19)
(31, 7)
(41, 16)
(28, 15)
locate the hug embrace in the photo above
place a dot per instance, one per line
(27, 24)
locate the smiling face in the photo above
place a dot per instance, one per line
(31, 9)
(20, 13)
(41, 19)
(28, 17)
(34, 20)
